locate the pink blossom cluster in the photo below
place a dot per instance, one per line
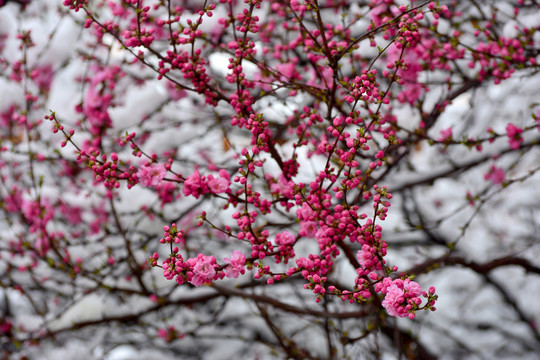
(204, 270)
(106, 169)
(285, 242)
(43, 76)
(197, 271)
(38, 213)
(402, 297)
(172, 235)
(497, 58)
(406, 67)
(167, 192)
(151, 175)
(169, 334)
(200, 270)
(514, 136)
(235, 265)
(99, 98)
(197, 185)
(75, 5)
(281, 186)
(365, 87)
(369, 258)
(495, 174)
(446, 135)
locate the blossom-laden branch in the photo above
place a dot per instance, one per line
(261, 155)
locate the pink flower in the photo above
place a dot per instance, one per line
(367, 257)
(42, 245)
(37, 213)
(151, 175)
(203, 271)
(236, 264)
(99, 97)
(285, 238)
(195, 185)
(43, 77)
(169, 334)
(175, 92)
(73, 214)
(326, 78)
(101, 217)
(14, 201)
(412, 288)
(164, 334)
(287, 71)
(305, 213)
(8, 117)
(282, 187)
(399, 295)
(96, 109)
(514, 136)
(495, 174)
(165, 192)
(218, 185)
(446, 135)
(193, 181)
(308, 228)
(409, 72)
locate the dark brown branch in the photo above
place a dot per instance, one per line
(483, 268)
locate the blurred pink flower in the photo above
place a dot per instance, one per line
(151, 175)
(236, 264)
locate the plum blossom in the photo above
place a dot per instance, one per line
(281, 187)
(305, 213)
(495, 175)
(169, 334)
(401, 297)
(14, 200)
(151, 175)
(285, 238)
(174, 92)
(218, 185)
(37, 213)
(287, 71)
(409, 72)
(514, 136)
(203, 271)
(236, 264)
(166, 191)
(446, 134)
(195, 185)
(43, 77)
(198, 185)
(99, 98)
(308, 229)
(367, 258)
